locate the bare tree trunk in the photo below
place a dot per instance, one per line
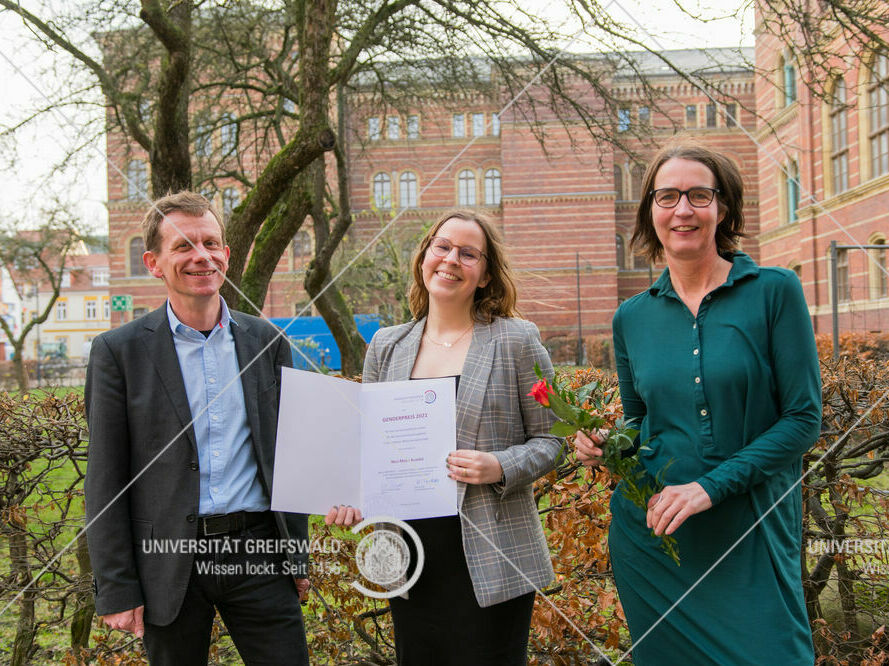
(25, 630)
(21, 377)
(338, 316)
(81, 623)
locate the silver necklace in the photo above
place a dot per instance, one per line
(447, 345)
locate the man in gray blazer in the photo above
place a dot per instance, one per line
(182, 408)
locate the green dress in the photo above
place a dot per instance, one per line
(731, 399)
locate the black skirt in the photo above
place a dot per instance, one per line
(441, 623)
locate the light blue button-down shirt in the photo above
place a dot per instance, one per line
(229, 473)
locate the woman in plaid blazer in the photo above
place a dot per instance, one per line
(472, 603)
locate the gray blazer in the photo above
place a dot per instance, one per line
(136, 404)
(501, 526)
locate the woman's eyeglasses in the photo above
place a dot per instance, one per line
(698, 197)
(468, 256)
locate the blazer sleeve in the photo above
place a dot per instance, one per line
(109, 535)
(524, 463)
(297, 524)
(371, 371)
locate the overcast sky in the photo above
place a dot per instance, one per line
(27, 177)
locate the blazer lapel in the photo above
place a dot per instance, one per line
(247, 349)
(471, 392)
(405, 353)
(161, 348)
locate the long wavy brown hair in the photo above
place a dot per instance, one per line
(495, 299)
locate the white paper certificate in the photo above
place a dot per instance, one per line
(379, 447)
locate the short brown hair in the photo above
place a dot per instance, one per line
(730, 198)
(189, 203)
(495, 299)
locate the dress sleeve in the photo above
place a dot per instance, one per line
(525, 463)
(794, 360)
(633, 405)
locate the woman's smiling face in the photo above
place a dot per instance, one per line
(446, 279)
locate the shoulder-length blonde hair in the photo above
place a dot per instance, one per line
(495, 299)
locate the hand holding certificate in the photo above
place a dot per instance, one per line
(380, 447)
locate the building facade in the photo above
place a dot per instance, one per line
(824, 177)
(566, 204)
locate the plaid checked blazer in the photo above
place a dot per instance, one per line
(501, 527)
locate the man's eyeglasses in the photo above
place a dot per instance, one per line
(468, 256)
(698, 197)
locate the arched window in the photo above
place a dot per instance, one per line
(137, 181)
(791, 184)
(877, 267)
(621, 252)
(382, 191)
(878, 103)
(230, 200)
(407, 190)
(137, 249)
(619, 182)
(302, 244)
(466, 188)
(640, 262)
(229, 135)
(492, 187)
(839, 144)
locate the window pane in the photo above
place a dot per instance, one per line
(492, 187)
(407, 190)
(731, 115)
(478, 124)
(644, 116)
(393, 127)
(459, 126)
(495, 124)
(203, 140)
(230, 200)
(691, 115)
(382, 191)
(229, 135)
(711, 115)
(373, 129)
(623, 119)
(413, 127)
(137, 249)
(137, 180)
(621, 252)
(466, 188)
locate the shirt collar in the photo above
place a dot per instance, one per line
(224, 320)
(742, 267)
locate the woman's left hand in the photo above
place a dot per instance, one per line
(668, 509)
(475, 467)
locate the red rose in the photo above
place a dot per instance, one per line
(541, 391)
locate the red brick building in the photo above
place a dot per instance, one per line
(838, 149)
(566, 208)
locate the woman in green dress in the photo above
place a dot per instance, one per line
(718, 368)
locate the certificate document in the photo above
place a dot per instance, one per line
(380, 447)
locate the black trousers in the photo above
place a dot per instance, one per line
(256, 598)
(441, 623)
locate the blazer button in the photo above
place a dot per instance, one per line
(194, 466)
(190, 517)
